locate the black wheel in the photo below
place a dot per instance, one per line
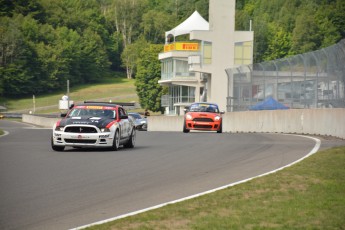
(55, 147)
(220, 130)
(131, 141)
(185, 130)
(116, 141)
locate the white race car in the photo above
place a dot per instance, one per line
(94, 125)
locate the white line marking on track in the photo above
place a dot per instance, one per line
(5, 133)
(35, 128)
(314, 150)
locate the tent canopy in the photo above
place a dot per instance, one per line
(268, 104)
(194, 22)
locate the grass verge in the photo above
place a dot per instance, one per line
(308, 195)
(115, 88)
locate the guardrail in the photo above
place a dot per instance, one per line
(10, 115)
(41, 120)
(329, 122)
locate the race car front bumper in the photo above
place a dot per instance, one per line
(83, 139)
(208, 126)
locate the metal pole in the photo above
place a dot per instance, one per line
(34, 102)
(68, 93)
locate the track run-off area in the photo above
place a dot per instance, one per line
(44, 189)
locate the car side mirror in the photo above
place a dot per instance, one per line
(124, 117)
(222, 112)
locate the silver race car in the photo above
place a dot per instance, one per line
(94, 125)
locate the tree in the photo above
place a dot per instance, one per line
(279, 43)
(94, 59)
(154, 25)
(45, 42)
(18, 64)
(327, 20)
(10, 41)
(126, 16)
(131, 55)
(305, 36)
(148, 74)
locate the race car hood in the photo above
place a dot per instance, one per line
(99, 122)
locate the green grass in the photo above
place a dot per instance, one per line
(115, 89)
(308, 195)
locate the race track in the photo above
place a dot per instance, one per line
(43, 189)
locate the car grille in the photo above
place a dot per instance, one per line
(80, 141)
(80, 129)
(203, 126)
(203, 119)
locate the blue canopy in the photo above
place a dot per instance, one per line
(268, 104)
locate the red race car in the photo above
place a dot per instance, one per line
(203, 116)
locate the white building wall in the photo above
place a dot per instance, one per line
(222, 28)
(223, 36)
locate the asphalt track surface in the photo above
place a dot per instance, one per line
(43, 189)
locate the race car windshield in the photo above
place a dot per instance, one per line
(211, 108)
(92, 113)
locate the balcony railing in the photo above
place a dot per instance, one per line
(177, 76)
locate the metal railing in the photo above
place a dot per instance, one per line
(310, 80)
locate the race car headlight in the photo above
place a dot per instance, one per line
(217, 118)
(59, 128)
(189, 117)
(105, 130)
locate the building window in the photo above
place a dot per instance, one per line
(167, 69)
(171, 68)
(207, 53)
(243, 53)
(181, 68)
(180, 94)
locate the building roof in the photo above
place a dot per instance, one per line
(194, 22)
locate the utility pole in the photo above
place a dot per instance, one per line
(34, 102)
(68, 93)
(68, 88)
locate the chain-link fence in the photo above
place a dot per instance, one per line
(311, 80)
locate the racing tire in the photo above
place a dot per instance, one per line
(185, 130)
(55, 147)
(131, 141)
(116, 141)
(220, 130)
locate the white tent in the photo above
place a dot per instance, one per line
(194, 22)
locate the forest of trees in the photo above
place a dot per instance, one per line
(44, 43)
(283, 28)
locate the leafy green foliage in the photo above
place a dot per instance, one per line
(283, 28)
(55, 41)
(43, 43)
(148, 74)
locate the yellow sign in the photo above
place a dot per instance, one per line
(182, 46)
(169, 47)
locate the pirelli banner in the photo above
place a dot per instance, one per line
(181, 46)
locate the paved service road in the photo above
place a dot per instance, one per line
(43, 189)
